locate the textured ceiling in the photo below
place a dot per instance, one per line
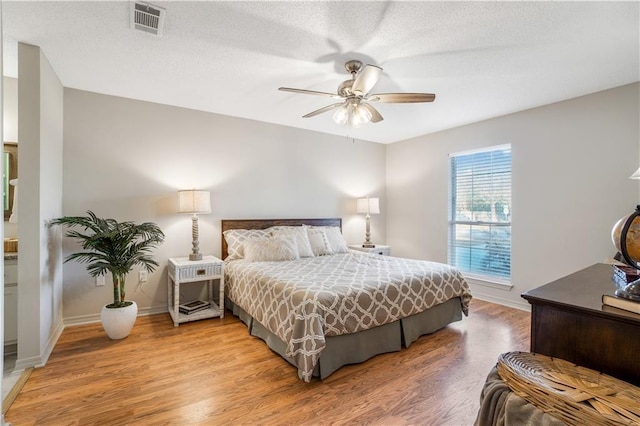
(482, 59)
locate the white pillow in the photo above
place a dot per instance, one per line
(319, 241)
(236, 237)
(272, 249)
(298, 234)
(336, 240)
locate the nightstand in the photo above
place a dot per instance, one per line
(378, 249)
(182, 271)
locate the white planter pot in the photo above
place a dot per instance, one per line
(118, 322)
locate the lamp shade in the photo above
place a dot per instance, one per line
(368, 205)
(194, 201)
(636, 175)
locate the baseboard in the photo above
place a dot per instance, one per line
(82, 319)
(11, 347)
(41, 360)
(524, 306)
(23, 364)
(15, 390)
(94, 318)
(154, 310)
(51, 343)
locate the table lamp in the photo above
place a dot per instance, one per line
(194, 201)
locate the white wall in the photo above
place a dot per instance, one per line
(40, 114)
(570, 167)
(50, 194)
(127, 159)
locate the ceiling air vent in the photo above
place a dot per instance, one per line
(147, 17)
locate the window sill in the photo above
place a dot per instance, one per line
(485, 282)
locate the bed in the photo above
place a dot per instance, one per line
(333, 306)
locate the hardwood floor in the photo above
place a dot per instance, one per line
(213, 372)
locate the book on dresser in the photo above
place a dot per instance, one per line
(620, 303)
(622, 312)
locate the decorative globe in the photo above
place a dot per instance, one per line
(632, 238)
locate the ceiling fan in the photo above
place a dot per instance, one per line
(355, 96)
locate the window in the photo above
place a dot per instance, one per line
(480, 213)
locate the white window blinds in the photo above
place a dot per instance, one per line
(480, 213)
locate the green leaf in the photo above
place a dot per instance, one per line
(112, 246)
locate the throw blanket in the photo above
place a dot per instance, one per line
(499, 406)
(302, 301)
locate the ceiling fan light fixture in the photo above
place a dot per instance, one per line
(353, 114)
(341, 115)
(359, 115)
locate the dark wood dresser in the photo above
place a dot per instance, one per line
(568, 322)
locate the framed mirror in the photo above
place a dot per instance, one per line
(9, 171)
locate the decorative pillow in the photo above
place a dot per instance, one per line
(298, 234)
(319, 241)
(336, 240)
(236, 237)
(272, 249)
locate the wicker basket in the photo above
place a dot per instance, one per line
(573, 394)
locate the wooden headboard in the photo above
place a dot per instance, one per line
(267, 223)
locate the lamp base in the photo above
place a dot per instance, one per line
(368, 245)
(195, 252)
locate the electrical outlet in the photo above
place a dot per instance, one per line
(142, 276)
(100, 281)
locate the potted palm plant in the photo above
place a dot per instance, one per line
(115, 247)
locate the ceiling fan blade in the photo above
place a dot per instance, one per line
(402, 97)
(310, 92)
(366, 79)
(325, 109)
(375, 115)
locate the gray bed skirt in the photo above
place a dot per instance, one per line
(359, 347)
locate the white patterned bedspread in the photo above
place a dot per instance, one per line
(302, 301)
